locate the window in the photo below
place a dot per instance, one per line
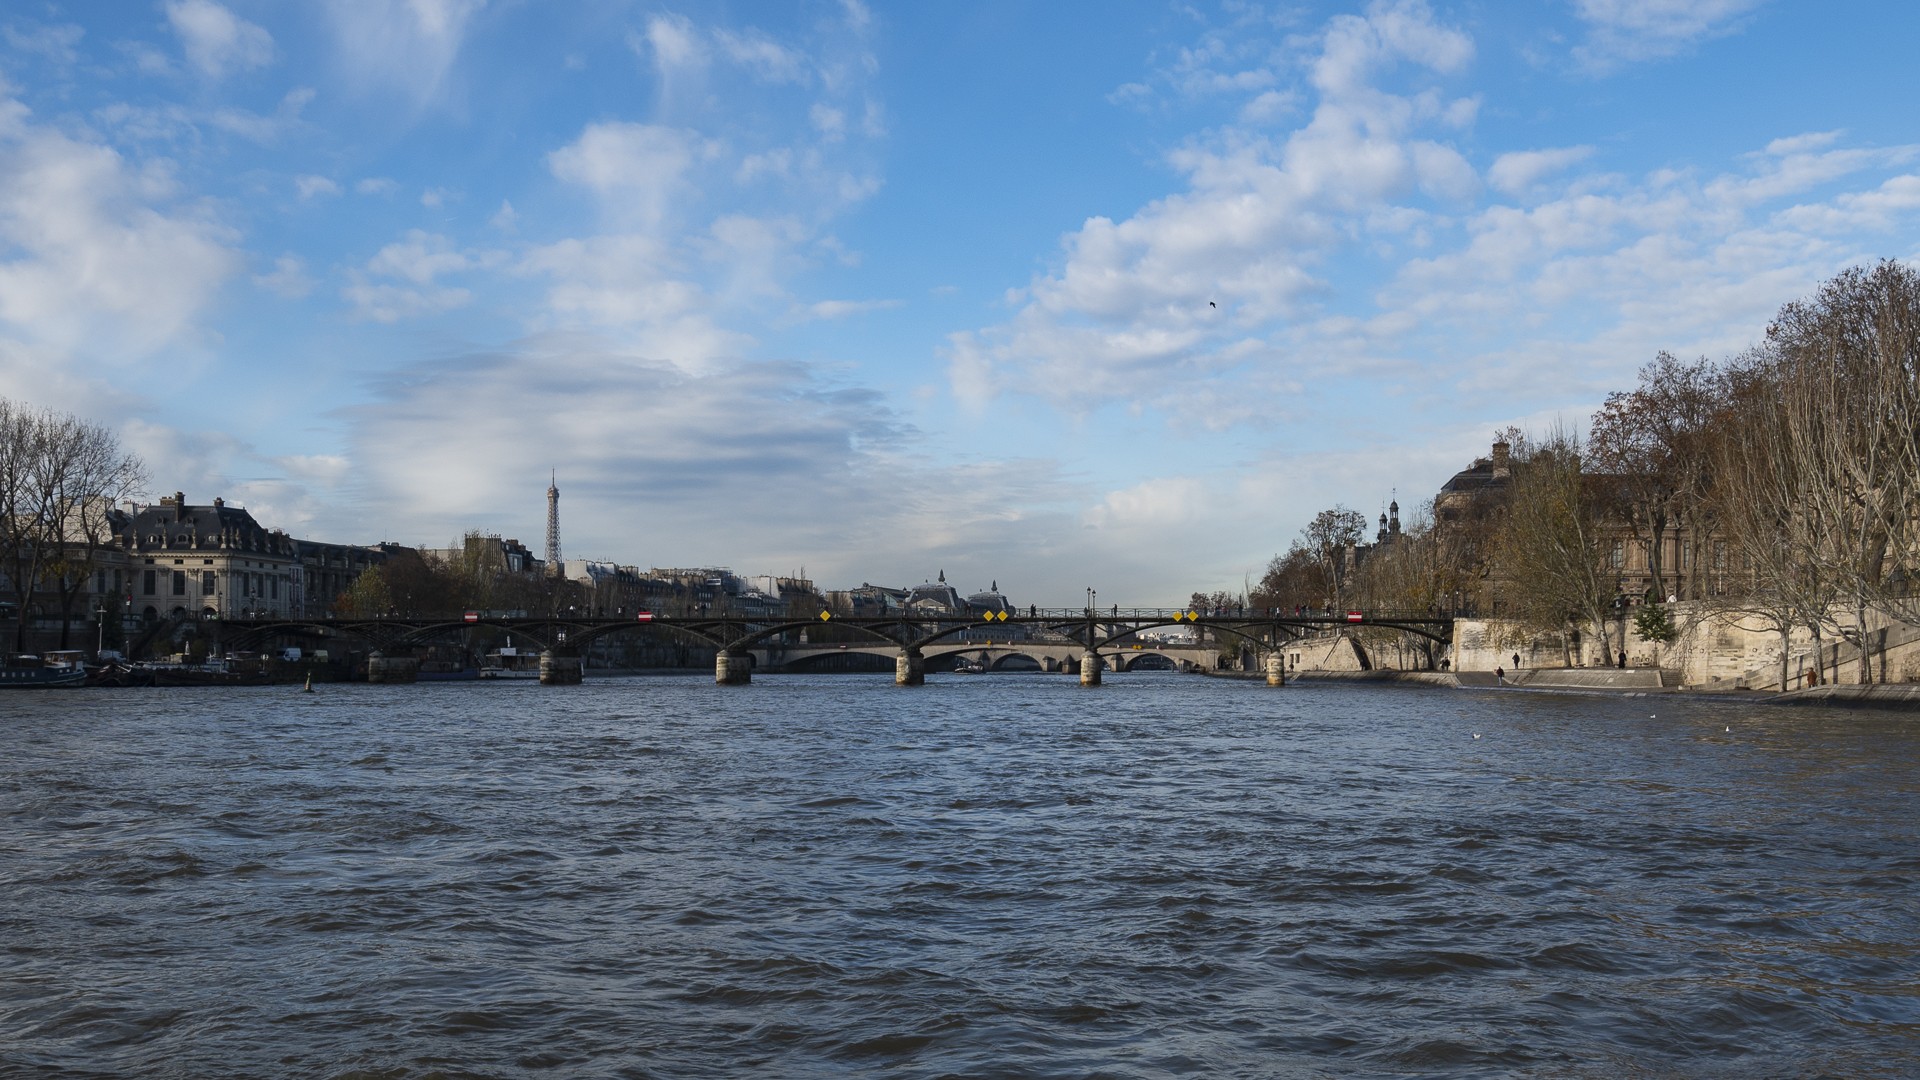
(147, 586)
(207, 584)
(1617, 558)
(179, 583)
(274, 584)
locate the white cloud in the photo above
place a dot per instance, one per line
(763, 57)
(830, 122)
(1161, 301)
(389, 303)
(414, 264)
(637, 284)
(636, 169)
(1802, 144)
(1632, 30)
(376, 185)
(96, 252)
(643, 441)
(1519, 170)
(1157, 503)
(419, 258)
(288, 277)
(56, 43)
(674, 42)
(181, 124)
(216, 40)
(408, 45)
(310, 186)
(840, 309)
(325, 470)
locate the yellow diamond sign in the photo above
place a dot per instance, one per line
(825, 615)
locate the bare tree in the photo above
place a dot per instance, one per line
(90, 477)
(1553, 544)
(60, 478)
(1844, 360)
(1652, 441)
(1330, 538)
(1412, 572)
(1757, 504)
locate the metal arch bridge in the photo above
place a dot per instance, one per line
(1264, 630)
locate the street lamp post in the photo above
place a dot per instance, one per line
(100, 628)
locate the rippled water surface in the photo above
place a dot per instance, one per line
(985, 876)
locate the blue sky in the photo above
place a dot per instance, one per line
(1059, 295)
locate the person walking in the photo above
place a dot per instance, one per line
(1500, 675)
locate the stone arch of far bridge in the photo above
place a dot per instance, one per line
(1246, 630)
(1146, 661)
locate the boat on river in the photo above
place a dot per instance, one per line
(214, 671)
(511, 663)
(37, 672)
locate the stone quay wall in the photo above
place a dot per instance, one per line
(1711, 650)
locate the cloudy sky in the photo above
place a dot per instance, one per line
(1059, 295)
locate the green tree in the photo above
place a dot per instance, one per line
(368, 597)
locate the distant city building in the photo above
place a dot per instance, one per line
(989, 602)
(868, 601)
(935, 598)
(208, 561)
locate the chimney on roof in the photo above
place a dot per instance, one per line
(1502, 460)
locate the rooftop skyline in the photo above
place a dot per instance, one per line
(1110, 295)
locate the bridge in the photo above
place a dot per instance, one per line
(1102, 638)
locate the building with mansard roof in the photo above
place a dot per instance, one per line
(208, 561)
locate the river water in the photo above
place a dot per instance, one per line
(986, 876)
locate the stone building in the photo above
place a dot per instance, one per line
(1693, 559)
(210, 561)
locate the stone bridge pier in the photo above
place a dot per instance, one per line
(732, 668)
(910, 668)
(1090, 665)
(560, 668)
